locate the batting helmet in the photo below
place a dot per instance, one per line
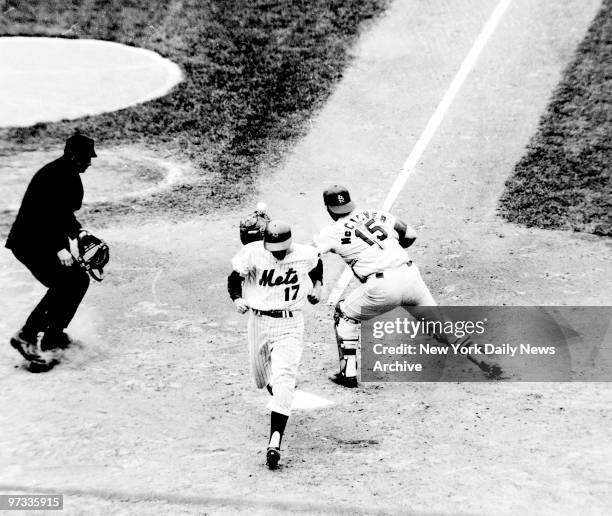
(338, 200)
(277, 236)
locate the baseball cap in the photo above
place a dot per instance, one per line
(338, 200)
(81, 146)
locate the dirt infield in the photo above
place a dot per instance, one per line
(156, 413)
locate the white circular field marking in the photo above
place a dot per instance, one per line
(51, 79)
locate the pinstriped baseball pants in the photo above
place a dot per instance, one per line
(275, 350)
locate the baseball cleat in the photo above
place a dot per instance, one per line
(40, 367)
(491, 371)
(345, 381)
(494, 372)
(58, 341)
(272, 457)
(26, 348)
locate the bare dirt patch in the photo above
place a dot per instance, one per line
(165, 416)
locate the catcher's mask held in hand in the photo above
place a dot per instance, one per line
(93, 255)
(252, 227)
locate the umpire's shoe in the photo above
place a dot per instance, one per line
(26, 345)
(346, 381)
(272, 457)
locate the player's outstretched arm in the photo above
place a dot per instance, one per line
(316, 276)
(325, 240)
(234, 288)
(407, 234)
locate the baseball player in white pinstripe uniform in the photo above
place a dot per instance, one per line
(273, 279)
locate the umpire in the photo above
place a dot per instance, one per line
(39, 239)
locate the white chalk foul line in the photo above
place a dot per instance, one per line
(430, 129)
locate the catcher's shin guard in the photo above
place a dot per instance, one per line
(347, 339)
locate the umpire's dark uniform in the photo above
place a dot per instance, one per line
(43, 225)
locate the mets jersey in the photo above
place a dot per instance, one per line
(272, 284)
(365, 239)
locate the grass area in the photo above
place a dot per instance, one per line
(564, 180)
(255, 71)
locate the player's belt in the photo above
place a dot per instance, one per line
(382, 274)
(273, 313)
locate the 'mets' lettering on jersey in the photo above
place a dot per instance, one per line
(272, 284)
(268, 279)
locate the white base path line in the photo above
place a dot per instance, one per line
(432, 126)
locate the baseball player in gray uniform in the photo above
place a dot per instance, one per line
(373, 243)
(272, 279)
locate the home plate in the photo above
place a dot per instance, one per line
(306, 401)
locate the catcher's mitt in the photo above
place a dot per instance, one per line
(252, 227)
(93, 255)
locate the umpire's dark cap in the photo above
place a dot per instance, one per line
(81, 146)
(338, 200)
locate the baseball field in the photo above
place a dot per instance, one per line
(487, 122)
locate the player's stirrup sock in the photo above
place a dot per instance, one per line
(350, 367)
(278, 422)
